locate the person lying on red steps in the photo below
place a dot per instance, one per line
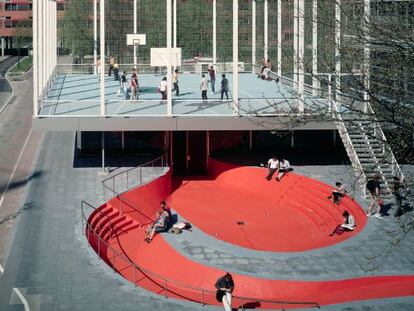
(348, 224)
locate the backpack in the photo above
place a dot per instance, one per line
(371, 185)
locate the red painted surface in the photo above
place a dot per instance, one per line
(241, 207)
(128, 246)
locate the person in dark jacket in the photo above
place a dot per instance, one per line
(224, 86)
(225, 286)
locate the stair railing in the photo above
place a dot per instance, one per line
(395, 167)
(166, 286)
(349, 147)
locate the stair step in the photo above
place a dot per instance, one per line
(115, 229)
(100, 214)
(107, 227)
(104, 220)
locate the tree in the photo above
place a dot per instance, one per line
(77, 33)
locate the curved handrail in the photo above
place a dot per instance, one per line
(166, 280)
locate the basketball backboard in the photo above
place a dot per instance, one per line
(136, 39)
(159, 57)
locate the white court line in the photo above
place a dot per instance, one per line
(15, 168)
(18, 293)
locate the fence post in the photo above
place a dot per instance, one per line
(242, 303)
(140, 175)
(165, 289)
(99, 246)
(113, 265)
(202, 298)
(135, 276)
(127, 180)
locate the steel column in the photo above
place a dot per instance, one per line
(169, 60)
(102, 54)
(315, 80)
(301, 55)
(295, 44)
(279, 38)
(367, 49)
(266, 30)
(235, 56)
(337, 49)
(214, 31)
(253, 34)
(35, 27)
(135, 31)
(95, 35)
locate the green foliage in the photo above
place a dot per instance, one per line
(77, 30)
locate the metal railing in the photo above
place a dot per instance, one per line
(123, 182)
(349, 147)
(164, 285)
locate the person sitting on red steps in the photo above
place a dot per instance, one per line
(284, 168)
(338, 193)
(160, 225)
(348, 224)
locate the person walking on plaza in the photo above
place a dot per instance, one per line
(224, 86)
(400, 191)
(225, 287)
(175, 83)
(272, 166)
(163, 88)
(374, 188)
(204, 87)
(212, 74)
(111, 64)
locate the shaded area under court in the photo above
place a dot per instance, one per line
(78, 94)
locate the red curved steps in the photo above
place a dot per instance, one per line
(163, 261)
(274, 216)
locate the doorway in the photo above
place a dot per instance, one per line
(189, 153)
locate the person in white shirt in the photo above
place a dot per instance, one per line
(272, 165)
(348, 224)
(204, 87)
(284, 167)
(163, 88)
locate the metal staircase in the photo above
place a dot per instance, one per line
(367, 147)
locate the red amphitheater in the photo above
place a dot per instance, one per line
(239, 207)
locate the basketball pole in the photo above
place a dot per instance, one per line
(135, 32)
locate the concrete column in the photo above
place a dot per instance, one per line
(135, 31)
(266, 30)
(169, 60)
(95, 35)
(367, 49)
(235, 57)
(315, 80)
(214, 31)
(253, 34)
(102, 55)
(41, 52)
(175, 23)
(337, 49)
(2, 46)
(301, 55)
(279, 38)
(35, 28)
(295, 43)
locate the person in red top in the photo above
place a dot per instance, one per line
(134, 85)
(212, 74)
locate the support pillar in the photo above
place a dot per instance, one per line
(315, 81)
(175, 23)
(2, 46)
(295, 44)
(169, 59)
(253, 34)
(250, 140)
(103, 148)
(301, 55)
(266, 30)
(235, 57)
(35, 57)
(337, 49)
(367, 50)
(279, 38)
(135, 32)
(292, 139)
(102, 54)
(95, 36)
(214, 32)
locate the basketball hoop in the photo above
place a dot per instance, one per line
(136, 40)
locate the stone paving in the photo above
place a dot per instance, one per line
(54, 268)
